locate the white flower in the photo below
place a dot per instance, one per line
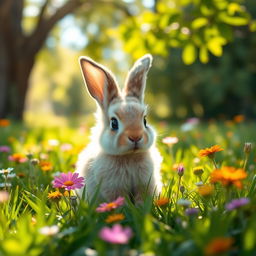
(184, 202)
(53, 142)
(3, 185)
(6, 171)
(49, 230)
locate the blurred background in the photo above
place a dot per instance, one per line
(204, 56)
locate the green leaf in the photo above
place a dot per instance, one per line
(234, 21)
(189, 54)
(215, 45)
(199, 22)
(203, 54)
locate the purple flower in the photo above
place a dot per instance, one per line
(5, 149)
(180, 170)
(116, 235)
(237, 203)
(191, 211)
(68, 181)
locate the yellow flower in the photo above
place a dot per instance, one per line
(210, 151)
(55, 195)
(219, 245)
(228, 175)
(114, 217)
(205, 190)
(162, 201)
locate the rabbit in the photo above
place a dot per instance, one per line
(121, 158)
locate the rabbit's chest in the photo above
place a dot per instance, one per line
(124, 173)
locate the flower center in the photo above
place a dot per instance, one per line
(69, 183)
(111, 205)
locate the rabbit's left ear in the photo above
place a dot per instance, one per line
(136, 79)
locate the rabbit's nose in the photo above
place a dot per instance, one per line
(135, 138)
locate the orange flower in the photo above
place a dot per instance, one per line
(228, 175)
(239, 118)
(210, 151)
(55, 195)
(219, 245)
(163, 201)
(45, 166)
(17, 158)
(4, 122)
(205, 190)
(114, 218)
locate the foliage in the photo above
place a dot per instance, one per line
(33, 224)
(199, 27)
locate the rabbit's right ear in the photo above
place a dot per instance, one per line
(100, 82)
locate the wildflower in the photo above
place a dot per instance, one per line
(4, 122)
(55, 195)
(205, 190)
(17, 158)
(182, 189)
(4, 196)
(21, 175)
(219, 245)
(116, 235)
(45, 166)
(239, 118)
(237, 203)
(184, 202)
(34, 161)
(53, 142)
(68, 181)
(5, 185)
(106, 207)
(199, 183)
(163, 201)
(210, 151)
(191, 211)
(114, 217)
(6, 171)
(180, 170)
(198, 171)
(247, 147)
(170, 140)
(66, 147)
(49, 230)
(228, 175)
(5, 149)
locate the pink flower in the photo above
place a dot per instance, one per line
(5, 149)
(170, 140)
(68, 181)
(106, 207)
(116, 235)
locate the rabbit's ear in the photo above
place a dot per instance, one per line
(100, 82)
(136, 80)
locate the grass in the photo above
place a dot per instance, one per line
(168, 229)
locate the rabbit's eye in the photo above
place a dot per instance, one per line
(145, 122)
(114, 124)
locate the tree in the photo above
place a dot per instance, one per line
(18, 49)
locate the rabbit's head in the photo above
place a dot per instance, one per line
(125, 129)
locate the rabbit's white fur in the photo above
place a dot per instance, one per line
(123, 161)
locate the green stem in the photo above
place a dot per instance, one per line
(245, 161)
(178, 189)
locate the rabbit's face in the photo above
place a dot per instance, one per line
(126, 130)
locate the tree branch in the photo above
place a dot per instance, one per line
(42, 12)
